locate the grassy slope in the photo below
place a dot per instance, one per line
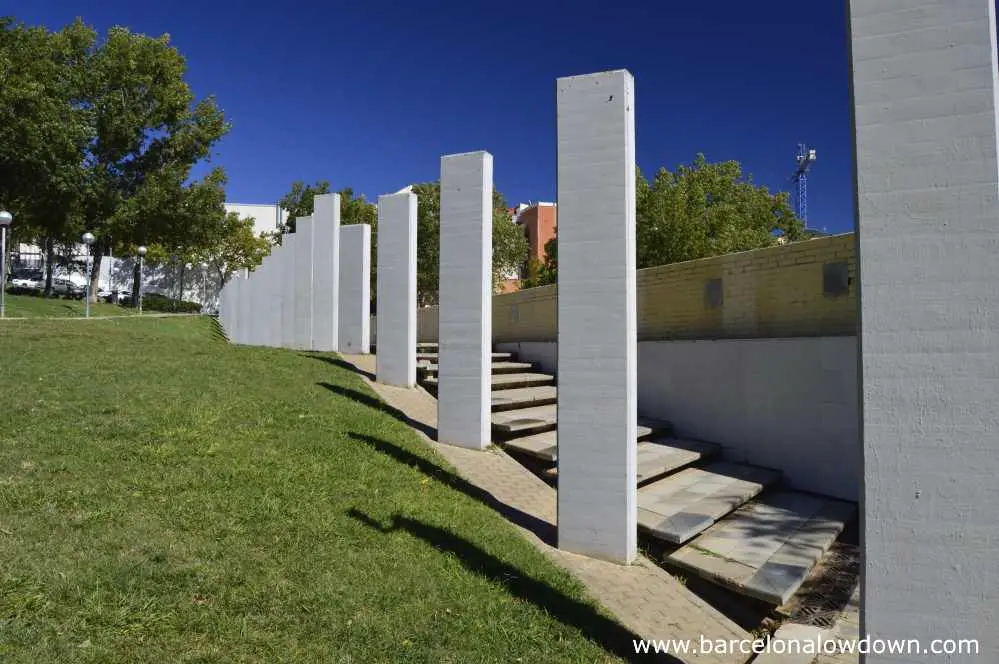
(29, 306)
(182, 500)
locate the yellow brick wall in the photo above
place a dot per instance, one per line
(774, 292)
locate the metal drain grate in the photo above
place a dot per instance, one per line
(827, 591)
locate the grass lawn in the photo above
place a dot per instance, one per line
(29, 306)
(166, 497)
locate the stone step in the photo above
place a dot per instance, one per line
(524, 397)
(526, 420)
(429, 346)
(680, 506)
(432, 356)
(506, 381)
(543, 445)
(659, 456)
(766, 549)
(498, 367)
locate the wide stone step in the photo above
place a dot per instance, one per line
(543, 445)
(767, 549)
(524, 397)
(507, 381)
(680, 506)
(525, 420)
(432, 356)
(497, 367)
(660, 456)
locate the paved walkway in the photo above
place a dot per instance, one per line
(642, 596)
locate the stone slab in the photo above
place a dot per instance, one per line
(660, 456)
(508, 381)
(597, 326)
(766, 549)
(431, 356)
(524, 397)
(524, 420)
(543, 445)
(465, 313)
(355, 289)
(302, 331)
(325, 272)
(497, 367)
(678, 507)
(395, 323)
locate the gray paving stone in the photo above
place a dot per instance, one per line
(507, 381)
(524, 397)
(498, 367)
(659, 456)
(767, 549)
(525, 420)
(680, 506)
(541, 445)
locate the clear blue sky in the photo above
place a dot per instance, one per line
(370, 95)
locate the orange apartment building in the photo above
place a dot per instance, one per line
(539, 221)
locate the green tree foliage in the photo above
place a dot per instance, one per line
(235, 247)
(707, 209)
(509, 244)
(700, 210)
(300, 202)
(546, 272)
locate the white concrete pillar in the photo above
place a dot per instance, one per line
(275, 283)
(303, 284)
(924, 91)
(355, 289)
(466, 249)
(395, 361)
(244, 305)
(325, 272)
(288, 290)
(262, 305)
(597, 338)
(225, 310)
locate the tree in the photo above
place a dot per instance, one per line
(148, 132)
(300, 202)
(235, 248)
(44, 131)
(546, 272)
(700, 210)
(707, 209)
(510, 247)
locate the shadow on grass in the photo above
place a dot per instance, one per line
(218, 332)
(609, 634)
(337, 362)
(379, 405)
(544, 530)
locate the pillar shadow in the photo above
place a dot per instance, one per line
(544, 530)
(337, 362)
(606, 632)
(379, 405)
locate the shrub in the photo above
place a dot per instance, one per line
(157, 302)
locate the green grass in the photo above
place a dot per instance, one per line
(166, 497)
(29, 306)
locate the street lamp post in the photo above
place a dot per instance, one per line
(5, 219)
(204, 288)
(88, 239)
(138, 295)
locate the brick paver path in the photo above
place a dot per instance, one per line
(642, 596)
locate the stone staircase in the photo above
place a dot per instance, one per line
(732, 524)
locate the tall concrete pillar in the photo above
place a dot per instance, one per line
(466, 249)
(274, 288)
(288, 292)
(924, 92)
(355, 289)
(326, 272)
(303, 284)
(226, 298)
(395, 361)
(597, 333)
(244, 305)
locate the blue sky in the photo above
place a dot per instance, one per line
(370, 95)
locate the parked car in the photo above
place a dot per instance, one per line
(34, 280)
(66, 288)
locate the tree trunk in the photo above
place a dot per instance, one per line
(49, 264)
(97, 251)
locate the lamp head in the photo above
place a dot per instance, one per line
(88, 238)
(6, 218)
(142, 251)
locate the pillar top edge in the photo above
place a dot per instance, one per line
(475, 153)
(595, 75)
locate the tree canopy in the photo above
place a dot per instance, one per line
(699, 210)
(103, 136)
